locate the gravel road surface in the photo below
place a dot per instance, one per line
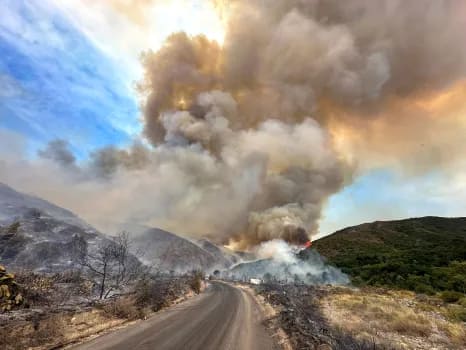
(224, 317)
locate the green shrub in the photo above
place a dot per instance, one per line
(451, 296)
(457, 313)
(424, 255)
(424, 289)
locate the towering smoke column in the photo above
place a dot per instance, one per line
(273, 174)
(250, 138)
(259, 105)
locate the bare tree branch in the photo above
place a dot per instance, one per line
(112, 264)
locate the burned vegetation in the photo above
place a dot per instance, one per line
(64, 308)
(106, 286)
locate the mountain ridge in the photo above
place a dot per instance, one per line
(14, 204)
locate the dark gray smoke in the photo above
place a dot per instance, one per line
(59, 151)
(106, 161)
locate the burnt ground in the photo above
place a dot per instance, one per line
(59, 311)
(300, 317)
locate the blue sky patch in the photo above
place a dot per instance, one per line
(56, 84)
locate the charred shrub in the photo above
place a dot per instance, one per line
(47, 330)
(152, 294)
(11, 338)
(38, 289)
(158, 291)
(124, 308)
(53, 289)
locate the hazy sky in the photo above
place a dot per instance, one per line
(68, 70)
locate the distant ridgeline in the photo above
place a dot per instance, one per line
(425, 255)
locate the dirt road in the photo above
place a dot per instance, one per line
(222, 318)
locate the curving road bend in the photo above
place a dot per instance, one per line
(222, 318)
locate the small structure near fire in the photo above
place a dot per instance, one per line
(256, 281)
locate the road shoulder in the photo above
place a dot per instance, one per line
(270, 320)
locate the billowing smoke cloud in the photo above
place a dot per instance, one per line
(248, 139)
(283, 62)
(289, 58)
(280, 261)
(59, 152)
(106, 161)
(247, 186)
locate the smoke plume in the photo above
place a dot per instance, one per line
(246, 140)
(280, 261)
(59, 152)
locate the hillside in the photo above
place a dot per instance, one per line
(14, 204)
(225, 257)
(43, 241)
(422, 254)
(166, 251)
(44, 235)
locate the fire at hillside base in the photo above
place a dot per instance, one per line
(280, 261)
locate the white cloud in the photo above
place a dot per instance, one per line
(113, 28)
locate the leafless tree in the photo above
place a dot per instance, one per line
(111, 264)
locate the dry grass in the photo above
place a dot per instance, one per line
(454, 331)
(385, 314)
(37, 333)
(12, 338)
(51, 331)
(397, 318)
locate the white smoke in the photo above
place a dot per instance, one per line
(277, 250)
(281, 261)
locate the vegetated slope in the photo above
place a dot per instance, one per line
(44, 234)
(425, 254)
(167, 251)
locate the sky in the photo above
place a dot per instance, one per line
(68, 69)
(55, 81)
(65, 68)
